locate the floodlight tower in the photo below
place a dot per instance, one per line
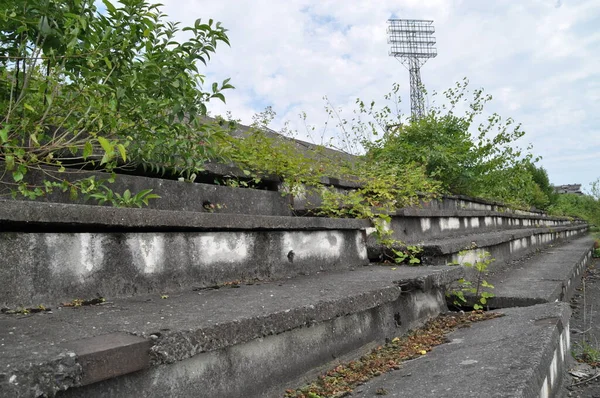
(413, 44)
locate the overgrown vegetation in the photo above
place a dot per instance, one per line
(85, 89)
(81, 89)
(586, 207)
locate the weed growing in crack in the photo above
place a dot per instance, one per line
(478, 288)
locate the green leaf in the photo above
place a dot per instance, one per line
(17, 175)
(108, 148)
(88, 149)
(28, 107)
(44, 26)
(4, 134)
(10, 162)
(122, 151)
(109, 6)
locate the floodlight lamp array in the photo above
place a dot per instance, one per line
(411, 38)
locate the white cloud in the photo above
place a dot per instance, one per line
(538, 58)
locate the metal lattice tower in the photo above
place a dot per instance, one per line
(412, 43)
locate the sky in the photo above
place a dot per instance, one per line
(539, 59)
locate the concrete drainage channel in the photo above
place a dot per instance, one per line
(223, 305)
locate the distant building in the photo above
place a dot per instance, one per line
(569, 188)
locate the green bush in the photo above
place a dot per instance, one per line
(93, 90)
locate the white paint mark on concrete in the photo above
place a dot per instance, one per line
(361, 246)
(77, 254)
(370, 230)
(148, 251)
(544, 391)
(449, 223)
(475, 222)
(425, 224)
(222, 247)
(554, 368)
(488, 221)
(322, 244)
(561, 346)
(470, 256)
(469, 362)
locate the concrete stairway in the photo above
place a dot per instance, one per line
(522, 354)
(459, 236)
(232, 305)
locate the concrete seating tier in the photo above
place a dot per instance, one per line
(503, 245)
(413, 225)
(56, 252)
(551, 275)
(202, 304)
(521, 354)
(253, 341)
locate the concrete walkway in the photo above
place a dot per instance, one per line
(519, 355)
(547, 276)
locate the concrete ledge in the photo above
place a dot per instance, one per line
(503, 245)
(248, 341)
(546, 277)
(17, 215)
(110, 355)
(428, 212)
(519, 355)
(424, 224)
(174, 195)
(47, 267)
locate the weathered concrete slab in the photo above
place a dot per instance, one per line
(17, 215)
(226, 342)
(503, 245)
(57, 252)
(519, 355)
(44, 268)
(548, 276)
(174, 195)
(413, 225)
(110, 355)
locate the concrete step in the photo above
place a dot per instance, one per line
(413, 225)
(174, 195)
(548, 276)
(504, 245)
(521, 354)
(58, 252)
(250, 341)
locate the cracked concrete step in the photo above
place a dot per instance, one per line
(503, 245)
(521, 354)
(251, 341)
(548, 276)
(412, 225)
(59, 251)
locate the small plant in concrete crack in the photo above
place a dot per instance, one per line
(128, 199)
(478, 288)
(584, 351)
(408, 255)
